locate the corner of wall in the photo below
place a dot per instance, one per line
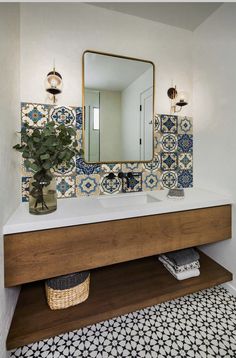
(9, 179)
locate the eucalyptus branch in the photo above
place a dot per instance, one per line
(48, 147)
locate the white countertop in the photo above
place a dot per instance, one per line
(84, 210)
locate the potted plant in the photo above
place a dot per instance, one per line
(44, 149)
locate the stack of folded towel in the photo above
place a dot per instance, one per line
(182, 264)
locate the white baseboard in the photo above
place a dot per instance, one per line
(230, 287)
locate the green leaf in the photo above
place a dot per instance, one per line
(47, 165)
(44, 156)
(34, 167)
(36, 139)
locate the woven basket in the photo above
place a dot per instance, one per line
(69, 290)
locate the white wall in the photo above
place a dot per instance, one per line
(64, 30)
(9, 118)
(214, 115)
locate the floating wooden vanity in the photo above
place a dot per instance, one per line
(126, 275)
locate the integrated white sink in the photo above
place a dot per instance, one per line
(125, 200)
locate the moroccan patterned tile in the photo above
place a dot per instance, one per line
(185, 178)
(63, 170)
(153, 165)
(131, 167)
(157, 121)
(79, 118)
(172, 163)
(66, 186)
(25, 170)
(63, 115)
(110, 186)
(169, 123)
(25, 188)
(157, 143)
(79, 138)
(133, 184)
(185, 125)
(151, 181)
(169, 179)
(36, 115)
(185, 143)
(200, 325)
(169, 142)
(169, 161)
(114, 168)
(185, 161)
(86, 168)
(88, 185)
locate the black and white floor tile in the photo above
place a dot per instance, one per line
(201, 325)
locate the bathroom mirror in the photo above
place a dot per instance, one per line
(118, 102)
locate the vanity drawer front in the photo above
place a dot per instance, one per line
(37, 255)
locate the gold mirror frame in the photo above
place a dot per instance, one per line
(83, 105)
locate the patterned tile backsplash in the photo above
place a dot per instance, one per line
(172, 165)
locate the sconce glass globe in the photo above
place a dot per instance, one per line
(54, 82)
(181, 99)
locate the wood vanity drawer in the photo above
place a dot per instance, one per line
(37, 255)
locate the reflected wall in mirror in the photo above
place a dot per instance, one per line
(118, 102)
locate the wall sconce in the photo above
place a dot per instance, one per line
(53, 84)
(178, 99)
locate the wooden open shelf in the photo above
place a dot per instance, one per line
(115, 290)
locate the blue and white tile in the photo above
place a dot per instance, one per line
(86, 168)
(135, 183)
(64, 170)
(185, 178)
(79, 138)
(131, 167)
(79, 118)
(153, 165)
(185, 143)
(111, 167)
(110, 186)
(25, 188)
(25, 170)
(169, 179)
(66, 186)
(63, 115)
(35, 115)
(157, 143)
(185, 161)
(157, 122)
(169, 142)
(169, 161)
(169, 123)
(152, 181)
(88, 185)
(185, 125)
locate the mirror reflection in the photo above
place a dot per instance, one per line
(118, 108)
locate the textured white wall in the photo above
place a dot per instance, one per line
(9, 119)
(64, 30)
(214, 115)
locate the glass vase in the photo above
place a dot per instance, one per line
(42, 193)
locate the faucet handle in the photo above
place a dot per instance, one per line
(121, 175)
(111, 176)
